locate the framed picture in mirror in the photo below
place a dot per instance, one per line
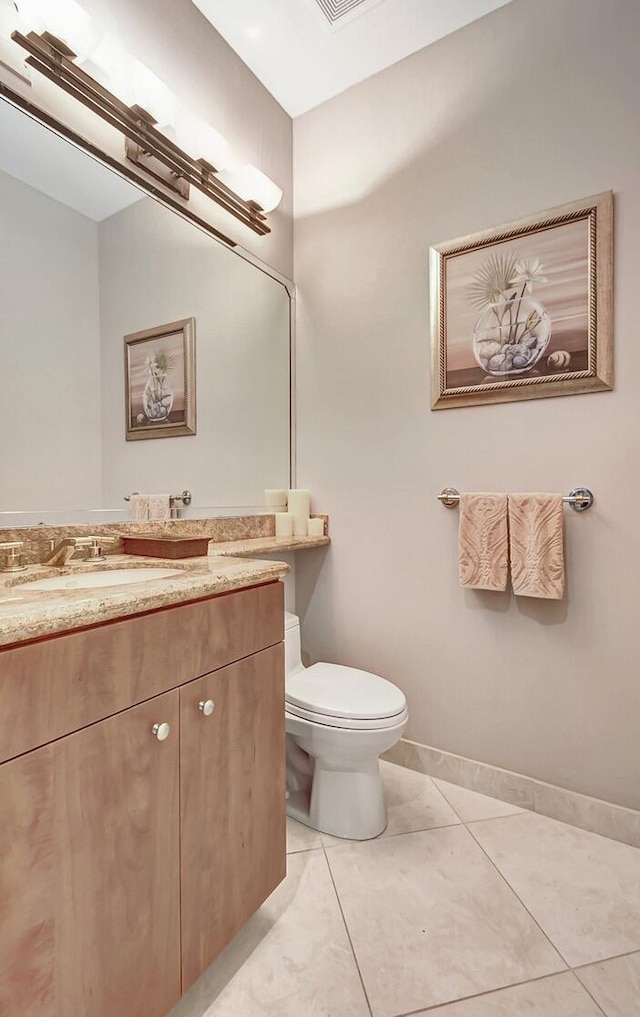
(160, 389)
(525, 310)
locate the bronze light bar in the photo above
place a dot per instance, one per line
(145, 146)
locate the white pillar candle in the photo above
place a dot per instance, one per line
(299, 502)
(284, 524)
(315, 528)
(275, 498)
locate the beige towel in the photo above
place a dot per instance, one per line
(483, 541)
(160, 506)
(536, 546)
(139, 506)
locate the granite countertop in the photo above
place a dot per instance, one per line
(32, 614)
(265, 545)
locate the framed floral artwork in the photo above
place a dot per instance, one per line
(160, 389)
(525, 311)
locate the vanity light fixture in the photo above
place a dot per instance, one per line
(145, 112)
(64, 18)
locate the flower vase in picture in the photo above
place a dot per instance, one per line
(513, 330)
(157, 399)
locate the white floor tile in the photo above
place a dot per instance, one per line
(583, 889)
(292, 959)
(431, 921)
(615, 985)
(300, 837)
(557, 996)
(472, 806)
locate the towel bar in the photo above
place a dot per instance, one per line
(579, 498)
(185, 497)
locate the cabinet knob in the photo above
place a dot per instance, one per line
(161, 731)
(206, 706)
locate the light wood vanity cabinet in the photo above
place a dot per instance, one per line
(229, 866)
(89, 871)
(127, 860)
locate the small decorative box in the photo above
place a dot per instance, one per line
(165, 547)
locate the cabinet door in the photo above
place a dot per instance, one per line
(232, 801)
(89, 871)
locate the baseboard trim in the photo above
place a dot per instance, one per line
(594, 814)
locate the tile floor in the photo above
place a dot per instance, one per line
(463, 907)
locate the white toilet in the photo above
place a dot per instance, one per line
(338, 721)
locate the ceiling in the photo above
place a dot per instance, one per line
(306, 51)
(43, 160)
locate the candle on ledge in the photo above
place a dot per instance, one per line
(299, 502)
(275, 498)
(284, 524)
(315, 528)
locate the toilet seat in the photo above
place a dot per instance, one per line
(347, 724)
(344, 697)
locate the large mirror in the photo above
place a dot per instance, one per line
(87, 258)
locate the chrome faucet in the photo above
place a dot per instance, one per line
(62, 552)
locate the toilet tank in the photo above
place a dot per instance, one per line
(292, 649)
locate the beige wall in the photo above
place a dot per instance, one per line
(176, 42)
(528, 108)
(50, 450)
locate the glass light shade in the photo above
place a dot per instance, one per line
(153, 95)
(31, 15)
(110, 65)
(64, 19)
(201, 141)
(252, 184)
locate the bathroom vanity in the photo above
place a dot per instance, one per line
(143, 802)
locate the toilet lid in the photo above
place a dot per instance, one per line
(332, 690)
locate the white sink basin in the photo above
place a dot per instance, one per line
(94, 580)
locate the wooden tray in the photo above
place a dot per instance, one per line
(166, 547)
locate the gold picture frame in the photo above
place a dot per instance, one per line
(525, 311)
(160, 381)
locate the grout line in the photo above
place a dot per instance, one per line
(548, 938)
(445, 799)
(604, 960)
(346, 927)
(516, 895)
(381, 839)
(589, 994)
(510, 815)
(490, 992)
(486, 819)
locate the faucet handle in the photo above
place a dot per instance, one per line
(13, 560)
(93, 545)
(93, 541)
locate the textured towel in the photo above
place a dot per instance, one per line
(160, 506)
(536, 546)
(139, 506)
(483, 541)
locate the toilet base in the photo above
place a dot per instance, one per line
(348, 805)
(333, 777)
(298, 807)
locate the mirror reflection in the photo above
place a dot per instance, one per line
(87, 258)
